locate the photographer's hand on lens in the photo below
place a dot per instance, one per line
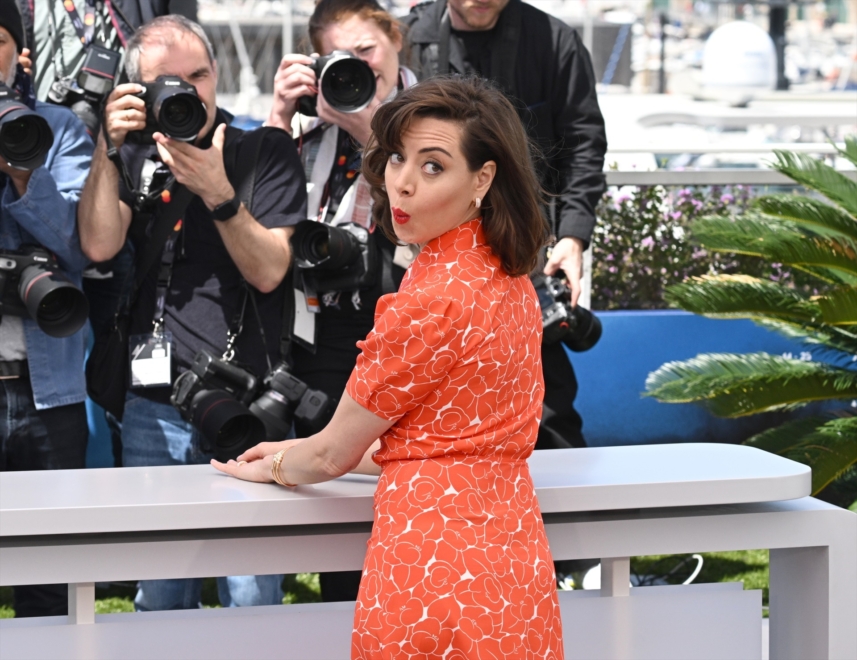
(293, 80)
(567, 255)
(200, 170)
(356, 124)
(124, 112)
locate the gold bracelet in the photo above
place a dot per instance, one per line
(275, 468)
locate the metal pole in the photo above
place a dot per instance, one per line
(288, 46)
(662, 74)
(777, 29)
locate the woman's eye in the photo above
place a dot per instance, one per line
(396, 158)
(432, 168)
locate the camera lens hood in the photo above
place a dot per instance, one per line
(25, 137)
(59, 308)
(346, 82)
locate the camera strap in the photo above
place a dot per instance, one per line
(85, 27)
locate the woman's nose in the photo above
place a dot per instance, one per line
(404, 185)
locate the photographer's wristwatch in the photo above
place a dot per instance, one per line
(227, 210)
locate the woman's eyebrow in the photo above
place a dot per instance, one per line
(427, 149)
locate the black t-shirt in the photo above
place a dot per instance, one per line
(206, 289)
(477, 49)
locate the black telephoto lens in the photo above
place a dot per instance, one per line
(325, 247)
(59, 308)
(25, 137)
(586, 332)
(228, 425)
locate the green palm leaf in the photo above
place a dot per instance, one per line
(839, 306)
(850, 150)
(810, 213)
(741, 296)
(819, 176)
(838, 340)
(734, 385)
(828, 447)
(779, 242)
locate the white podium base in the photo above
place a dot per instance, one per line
(693, 622)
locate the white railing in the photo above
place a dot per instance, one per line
(82, 527)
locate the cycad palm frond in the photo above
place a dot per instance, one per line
(734, 385)
(850, 150)
(830, 447)
(810, 213)
(779, 242)
(742, 296)
(839, 340)
(839, 306)
(819, 176)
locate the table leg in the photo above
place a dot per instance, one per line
(616, 576)
(81, 602)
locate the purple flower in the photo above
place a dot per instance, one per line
(696, 204)
(609, 257)
(647, 242)
(675, 215)
(727, 199)
(612, 269)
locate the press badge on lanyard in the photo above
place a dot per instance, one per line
(151, 359)
(151, 354)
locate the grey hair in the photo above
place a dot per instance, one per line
(157, 31)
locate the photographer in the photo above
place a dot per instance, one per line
(219, 273)
(42, 415)
(542, 66)
(325, 351)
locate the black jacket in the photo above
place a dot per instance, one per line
(541, 64)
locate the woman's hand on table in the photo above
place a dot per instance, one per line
(255, 463)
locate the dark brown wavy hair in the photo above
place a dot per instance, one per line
(491, 130)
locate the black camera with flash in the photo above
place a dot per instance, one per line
(95, 81)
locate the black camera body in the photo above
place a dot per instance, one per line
(576, 327)
(214, 394)
(173, 108)
(32, 286)
(94, 82)
(346, 82)
(340, 258)
(284, 398)
(25, 137)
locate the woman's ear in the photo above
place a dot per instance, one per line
(485, 177)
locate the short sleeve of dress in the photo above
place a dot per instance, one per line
(415, 342)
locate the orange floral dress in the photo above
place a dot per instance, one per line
(458, 564)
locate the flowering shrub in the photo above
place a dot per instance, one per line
(639, 245)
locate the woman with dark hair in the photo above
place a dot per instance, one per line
(458, 564)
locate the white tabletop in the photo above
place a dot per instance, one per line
(567, 480)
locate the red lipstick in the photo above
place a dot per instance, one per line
(400, 216)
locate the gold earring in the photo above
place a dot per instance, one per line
(478, 202)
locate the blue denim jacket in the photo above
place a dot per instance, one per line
(47, 215)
